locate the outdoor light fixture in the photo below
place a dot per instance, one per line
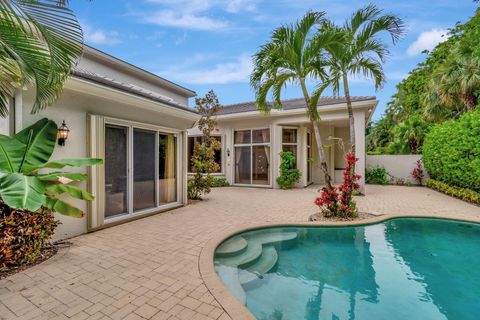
(228, 152)
(62, 134)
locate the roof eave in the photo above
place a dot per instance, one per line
(138, 71)
(368, 103)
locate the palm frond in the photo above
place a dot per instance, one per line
(44, 39)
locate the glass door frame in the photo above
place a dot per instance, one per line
(131, 125)
(251, 145)
(308, 147)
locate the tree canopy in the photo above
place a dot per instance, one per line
(443, 87)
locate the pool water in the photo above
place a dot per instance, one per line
(409, 268)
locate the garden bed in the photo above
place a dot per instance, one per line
(44, 255)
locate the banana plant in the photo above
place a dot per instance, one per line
(29, 181)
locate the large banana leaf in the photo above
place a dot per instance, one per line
(22, 192)
(73, 191)
(77, 162)
(11, 154)
(63, 207)
(39, 140)
(58, 176)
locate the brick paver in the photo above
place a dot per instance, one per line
(148, 269)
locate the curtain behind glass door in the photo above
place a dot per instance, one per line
(167, 173)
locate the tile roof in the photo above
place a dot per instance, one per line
(129, 88)
(290, 104)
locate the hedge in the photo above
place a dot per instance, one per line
(451, 152)
(461, 193)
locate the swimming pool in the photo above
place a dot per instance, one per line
(405, 268)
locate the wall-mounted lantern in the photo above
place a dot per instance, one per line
(228, 152)
(62, 134)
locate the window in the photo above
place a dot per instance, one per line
(200, 139)
(252, 156)
(140, 169)
(289, 141)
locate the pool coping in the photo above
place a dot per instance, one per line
(232, 306)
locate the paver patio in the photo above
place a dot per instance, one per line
(148, 269)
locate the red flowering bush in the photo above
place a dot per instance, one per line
(338, 202)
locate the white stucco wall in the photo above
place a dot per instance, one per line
(73, 107)
(399, 166)
(333, 124)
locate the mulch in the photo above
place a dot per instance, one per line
(44, 255)
(320, 217)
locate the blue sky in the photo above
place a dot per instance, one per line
(207, 44)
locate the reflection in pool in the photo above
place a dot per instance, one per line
(409, 268)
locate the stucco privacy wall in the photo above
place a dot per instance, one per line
(399, 166)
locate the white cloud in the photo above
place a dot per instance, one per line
(236, 71)
(427, 40)
(99, 36)
(172, 18)
(192, 14)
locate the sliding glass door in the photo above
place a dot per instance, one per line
(144, 169)
(140, 169)
(116, 170)
(252, 157)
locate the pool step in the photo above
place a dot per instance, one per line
(267, 262)
(229, 276)
(274, 238)
(245, 259)
(232, 247)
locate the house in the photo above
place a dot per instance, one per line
(135, 121)
(252, 141)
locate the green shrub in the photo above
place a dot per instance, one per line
(220, 182)
(461, 193)
(289, 175)
(451, 152)
(23, 235)
(376, 175)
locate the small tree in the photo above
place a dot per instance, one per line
(203, 159)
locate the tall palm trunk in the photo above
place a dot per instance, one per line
(350, 113)
(469, 100)
(321, 154)
(318, 137)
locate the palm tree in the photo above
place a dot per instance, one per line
(411, 133)
(454, 86)
(361, 53)
(40, 42)
(292, 56)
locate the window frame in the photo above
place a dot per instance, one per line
(296, 144)
(222, 159)
(251, 145)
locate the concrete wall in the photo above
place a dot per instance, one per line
(399, 166)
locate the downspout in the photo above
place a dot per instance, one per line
(17, 112)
